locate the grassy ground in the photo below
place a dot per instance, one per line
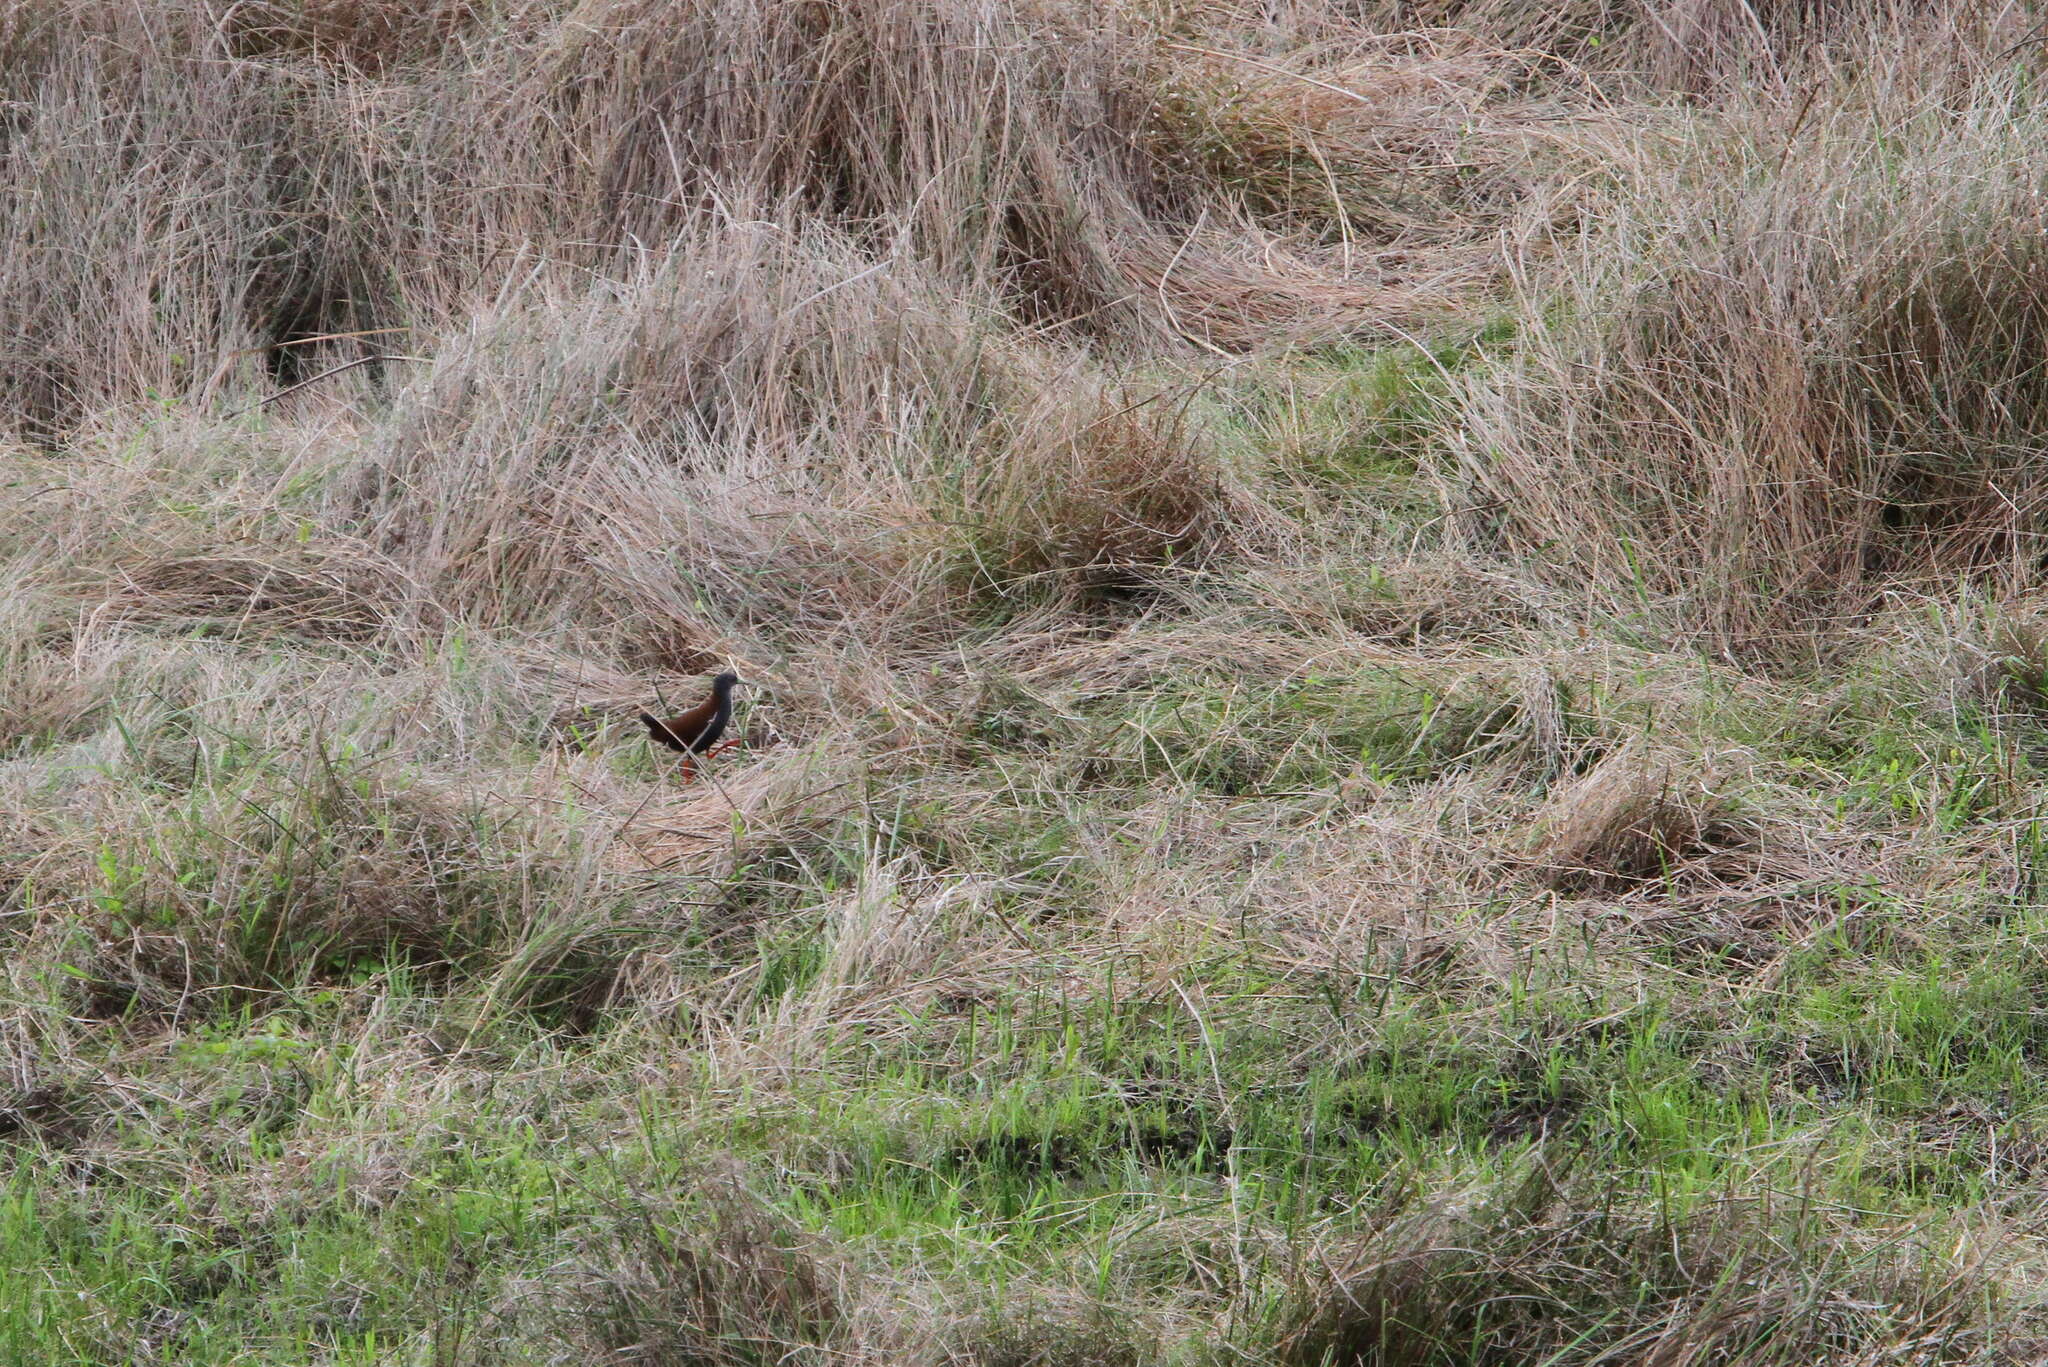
(1399, 664)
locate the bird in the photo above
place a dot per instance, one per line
(695, 732)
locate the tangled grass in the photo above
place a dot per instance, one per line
(1399, 659)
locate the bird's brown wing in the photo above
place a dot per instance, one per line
(683, 733)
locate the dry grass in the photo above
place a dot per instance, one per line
(1398, 665)
(1629, 817)
(1811, 379)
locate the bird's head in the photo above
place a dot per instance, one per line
(724, 682)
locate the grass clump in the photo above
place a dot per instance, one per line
(1416, 1293)
(1103, 493)
(1809, 393)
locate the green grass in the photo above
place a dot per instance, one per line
(1039, 1142)
(1042, 1137)
(1148, 1125)
(1364, 423)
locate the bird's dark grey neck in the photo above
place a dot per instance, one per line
(721, 689)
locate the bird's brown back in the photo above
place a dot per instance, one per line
(694, 732)
(684, 733)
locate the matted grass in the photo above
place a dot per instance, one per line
(1399, 696)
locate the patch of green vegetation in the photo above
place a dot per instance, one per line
(371, 1235)
(1922, 1033)
(1878, 756)
(1139, 1129)
(1365, 421)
